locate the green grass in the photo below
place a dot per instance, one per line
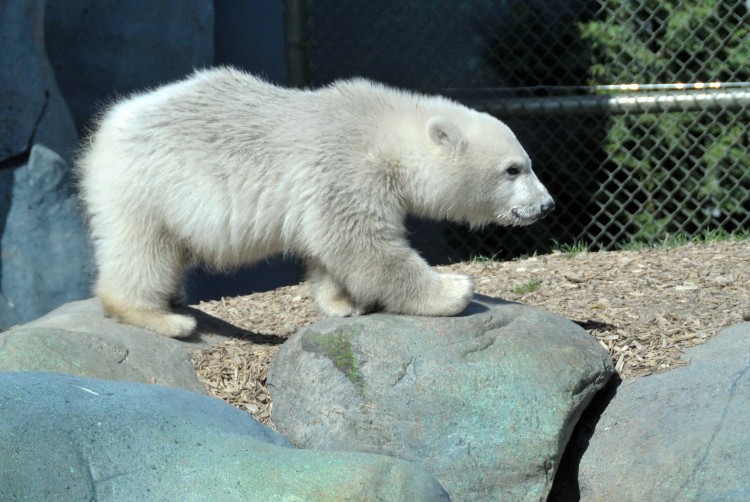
(577, 247)
(527, 287)
(485, 259)
(676, 240)
(669, 242)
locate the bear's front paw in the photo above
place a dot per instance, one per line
(455, 294)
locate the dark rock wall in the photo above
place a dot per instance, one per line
(60, 63)
(100, 49)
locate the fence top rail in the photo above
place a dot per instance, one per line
(552, 90)
(632, 102)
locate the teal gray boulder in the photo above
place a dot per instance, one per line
(680, 435)
(73, 438)
(486, 401)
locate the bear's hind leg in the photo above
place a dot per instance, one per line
(330, 298)
(158, 320)
(138, 278)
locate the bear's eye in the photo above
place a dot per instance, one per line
(513, 170)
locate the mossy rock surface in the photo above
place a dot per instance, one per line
(337, 346)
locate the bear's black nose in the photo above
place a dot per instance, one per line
(547, 207)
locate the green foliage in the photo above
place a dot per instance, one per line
(682, 172)
(658, 41)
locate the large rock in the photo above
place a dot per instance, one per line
(78, 339)
(31, 106)
(137, 45)
(680, 435)
(486, 401)
(70, 438)
(46, 259)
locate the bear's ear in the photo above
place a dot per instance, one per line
(444, 132)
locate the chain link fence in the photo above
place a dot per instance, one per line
(634, 113)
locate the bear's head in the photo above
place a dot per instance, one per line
(479, 173)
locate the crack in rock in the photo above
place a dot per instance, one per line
(405, 370)
(22, 158)
(479, 344)
(719, 426)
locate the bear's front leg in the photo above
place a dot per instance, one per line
(429, 294)
(456, 291)
(395, 277)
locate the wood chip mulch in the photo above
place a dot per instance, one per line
(644, 307)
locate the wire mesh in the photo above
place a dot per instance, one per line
(625, 163)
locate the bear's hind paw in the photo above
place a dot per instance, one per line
(337, 307)
(173, 325)
(162, 322)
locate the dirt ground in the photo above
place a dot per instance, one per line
(644, 307)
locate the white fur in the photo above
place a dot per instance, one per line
(226, 169)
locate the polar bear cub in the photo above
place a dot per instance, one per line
(226, 169)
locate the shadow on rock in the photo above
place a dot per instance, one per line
(482, 303)
(565, 487)
(210, 326)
